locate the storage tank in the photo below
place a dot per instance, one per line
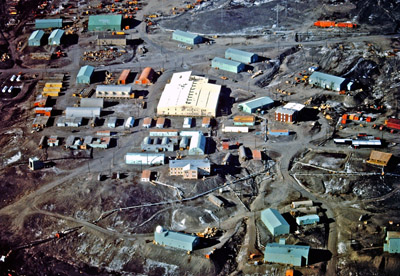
(304, 203)
(305, 210)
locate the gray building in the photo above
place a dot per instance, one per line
(186, 37)
(157, 144)
(241, 56)
(197, 142)
(227, 65)
(82, 112)
(252, 106)
(114, 91)
(175, 239)
(35, 39)
(69, 122)
(331, 82)
(275, 222)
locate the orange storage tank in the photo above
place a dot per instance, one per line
(325, 24)
(344, 121)
(344, 116)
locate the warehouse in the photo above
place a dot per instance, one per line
(244, 120)
(146, 77)
(123, 78)
(308, 219)
(206, 122)
(379, 158)
(227, 65)
(82, 112)
(85, 74)
(175, 239)
(69, 122)
(36, 38)
(114, 91)
(186, 37)
(144, 158)
(235, 129)
(56, 37)
(163, 132)
(392, 244)
(92, 102)
(105, 22)
(197, 142)
(289, 113)
(331, 82)
(111, 40)
(188, 95)
(156, 144)
(256, 104)
(241, 56)
(275, 222)
(48, 23)
(190, 169)
(296, 255)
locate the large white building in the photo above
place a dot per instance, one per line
(188, 95)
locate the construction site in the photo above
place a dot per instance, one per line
(204, 137)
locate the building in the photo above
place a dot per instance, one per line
(175, 239)
(275, 222)
(279, 132)
(163, 132)
(48, 23)
(82, 112)
(303, 203)
(197, 142)
(146, 77)
(227, 65)
(393, 123)
(56, 37)
(308, 219)
(244, 120)
(35, 164)
(330, 82)
(147, 122)
(144, 158)
(160, 122)
(112, 122)
(379, 158)
(157, 144)
(392, 244)
(296, 255)
(289, 113)
(236, 129)
(188, 95)
(69, 122)
(92, 102)
(190, 168)
(105, 22)
(206, 122)
(114, 91)
(36, 38)
(257, 155)
(187, 122)
(186, 37)
(111, 40)
(215, 200)
(85, 74)
(256, 104)
(184, 143)
(123, 78)
(101, 143)
(241, 56)
(129, 122)
(146, 176)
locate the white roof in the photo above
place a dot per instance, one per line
(114, 88)
(190, 91)
(294, 106)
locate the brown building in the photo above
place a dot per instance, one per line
(190, 169)
(379, 158)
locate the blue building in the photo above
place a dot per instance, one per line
(259, 103)
(36, 38)
(308, 219)
(186, 37)
(241, 56)
(330, 82)
(55, 37)
(296, 255)
(175, 239)
(48, 23)
(275, 222)
(392, 244)
(85, 74)
(227, 65)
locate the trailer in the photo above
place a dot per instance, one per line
(304, 203)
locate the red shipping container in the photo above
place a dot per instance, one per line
(344, 121)
(344, 116)
(369, 119)
(393, 123)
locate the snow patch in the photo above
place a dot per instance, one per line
(14, 158)
(169, 269)
(342, 248)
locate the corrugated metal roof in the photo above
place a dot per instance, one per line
(274, 217)
(86, 70)
(48, 23)
(38, 34)
(185, 34)
(198, 163)
(86, 112)
(308, 217)
(92, 102)
(226, 61)
(114, 88)
(56, 34)
(287, 249)
(238, 52)
(105, 20)
(258, 102)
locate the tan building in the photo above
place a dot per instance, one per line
(111, 40)
(188, 95)
(190, 169)
(114, 92)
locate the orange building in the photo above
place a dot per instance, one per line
(146, 77)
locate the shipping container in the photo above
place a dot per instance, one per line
(393, 123)
(324, 24)
(244, 120)
(279, 132)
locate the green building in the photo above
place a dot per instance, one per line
(308, 219)
(186, 37)
(331, 82)
(274, 221)
(105, 22)
(241, 56)
(227, 65)
(48, 23)
(85, 74)
(35, 38)
(392, 244)
(296, 255)
(55, 37)
(175, 239)
(259, 103)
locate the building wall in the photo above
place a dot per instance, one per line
(48, 23)
(282, 117)
(144, 159)
(104, 23)
(286, 256)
